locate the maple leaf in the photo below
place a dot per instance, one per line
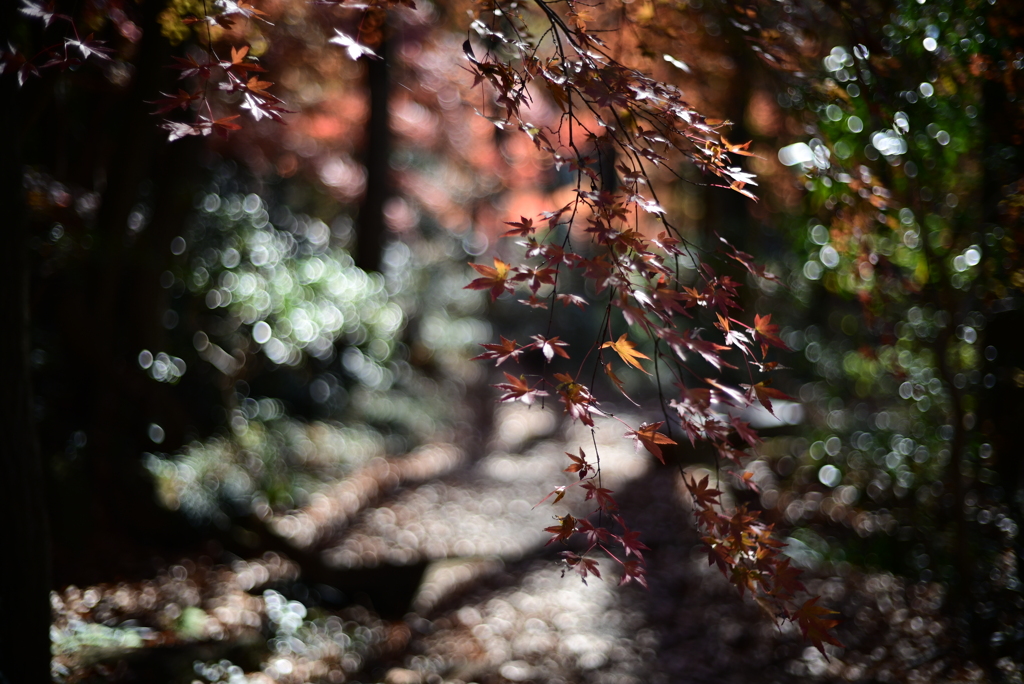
(618, 383)
(238, 62)
(577, 399)
(568, 299)
(508, 349)
(726, 394)
(588, 565)
(534, 303)
(176, 130)
(744, 431)
(786, 580)
(630, 540)
(522, 228)
(248, 10)
(734, 338)
(593, 535)
(259, 87)
(815, 625)
(746, 479)
(633, 571)
(688, 340)
(89, 47)
(649, 205)
(352, 47)
(516, 389)
(744, 578)
(182, 100)
(553, 217)
(38, 10)
(703, 496)
(225, 124)
(550, 347)
(718, 555)
(748, 262)
(558, 493)
(494, 279)
(741, 149)
(260, 109)
(765, 394)
(563, 530)
(627, 351)
(190, 67)
(602, 495)
(535, 277)
(14, 61)
(766, 333)
(650, 438)
(579, 464)
(583, 566)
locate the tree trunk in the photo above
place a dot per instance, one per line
(376, 157)
(24, 532)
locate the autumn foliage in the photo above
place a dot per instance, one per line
(616, 234)
(667, 308)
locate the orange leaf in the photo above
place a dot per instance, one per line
(618, 383)
(649, 436)
(627, 351)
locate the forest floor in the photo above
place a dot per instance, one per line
(493, 603)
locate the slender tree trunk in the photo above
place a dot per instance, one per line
(24, 530)
(376, 157)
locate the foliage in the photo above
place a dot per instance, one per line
(908, 246)
(904, 243)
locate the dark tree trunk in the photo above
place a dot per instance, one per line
(24, 530)
(376, 157)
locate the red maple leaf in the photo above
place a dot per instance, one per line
(815, 625)
(719, 555)
(190, 67)
(523, 228)
(535, 277)
(579, 464)
(225, 124)
(568, 299)
(550, 347)
(764, 394)
(558, 493)
(579, 403)
(494, 279)
(744, 430)
(508, 349)
(703, 495)
(517, 389)
(593, 535)
(630, 540)
(582, 565)
(766, 333)
(182, 100)
(603, 496)
(785, 580)
(633, 571)
(618, 383)
(563, 530)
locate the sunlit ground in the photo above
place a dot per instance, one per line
(494, 603)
